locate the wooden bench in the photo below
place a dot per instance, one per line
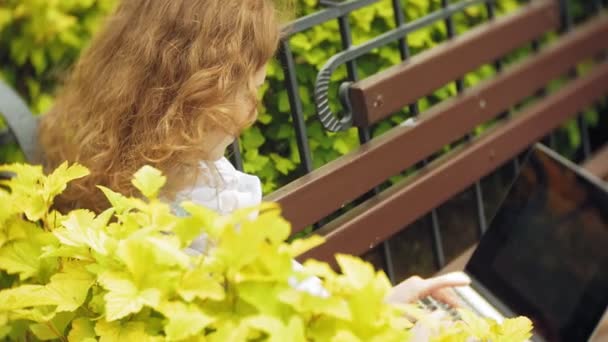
(317, 195)
(598, 164)
(312, 198)
(22, 125)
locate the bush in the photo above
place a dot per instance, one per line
(40, 40)
(124, 275)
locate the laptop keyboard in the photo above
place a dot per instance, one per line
(431, 304)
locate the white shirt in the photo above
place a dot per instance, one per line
(230, 191)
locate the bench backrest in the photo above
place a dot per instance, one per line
(21, 123)
(319, 194)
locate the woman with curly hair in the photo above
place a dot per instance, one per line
(171, 84)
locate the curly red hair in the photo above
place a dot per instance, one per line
(154, 82)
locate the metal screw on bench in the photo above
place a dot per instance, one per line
(378, 102)
(482, 104)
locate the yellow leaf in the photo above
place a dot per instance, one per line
(184, 320)
(117, 331)
(345, 336)
(515, 329)
(70, 287)
(124, 298)
(301, 246)
(21, 258)
(25, 296)
(82, 331)
(358, 272)
(474, 325)
(196, 284)
(149, 181)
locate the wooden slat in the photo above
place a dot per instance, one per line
(384, 215)
(385, 93)
(598, 164)
(320, 193)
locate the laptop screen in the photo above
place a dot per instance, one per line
(545, 254)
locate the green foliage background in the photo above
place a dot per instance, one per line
(40, 39)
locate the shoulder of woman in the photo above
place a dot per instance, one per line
(222, 188)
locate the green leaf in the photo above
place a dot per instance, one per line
(5, 328)
(124, 298)
(5, 17)
(38, 60)
(82, 331)
(67, 291)
(358, 272)
(14, 228)
(82, 228)
(148, 263)
(303, 245)
(70, 287)
(276, 329)
(57, 181)
(20, 258)
(149, 181)
(284, 165)
(319, 269)
(253, 138)
(345, 336)
(300, 42)
(515, 329)
(197, 284)
(43, 103)
(184, 320)
(474, 325)
(306, 303)
(40, 314)
(120, 203)
(53, 329)
(117, 331)
(25, 296)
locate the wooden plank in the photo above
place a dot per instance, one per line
(382, 216)
(598, 164)
(383, 94)
(320, 193)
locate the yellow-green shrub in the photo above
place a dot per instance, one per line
(123, 275)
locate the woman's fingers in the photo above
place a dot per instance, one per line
(448, 296)
(415, 288)
(454, 279)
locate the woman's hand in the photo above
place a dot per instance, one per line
(415, 288)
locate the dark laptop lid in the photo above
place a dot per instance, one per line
(545, 254)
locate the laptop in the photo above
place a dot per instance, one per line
(545, 253)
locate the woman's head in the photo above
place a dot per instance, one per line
(165, 83)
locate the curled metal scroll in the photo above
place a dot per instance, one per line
(344, 120)
(329, 120)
